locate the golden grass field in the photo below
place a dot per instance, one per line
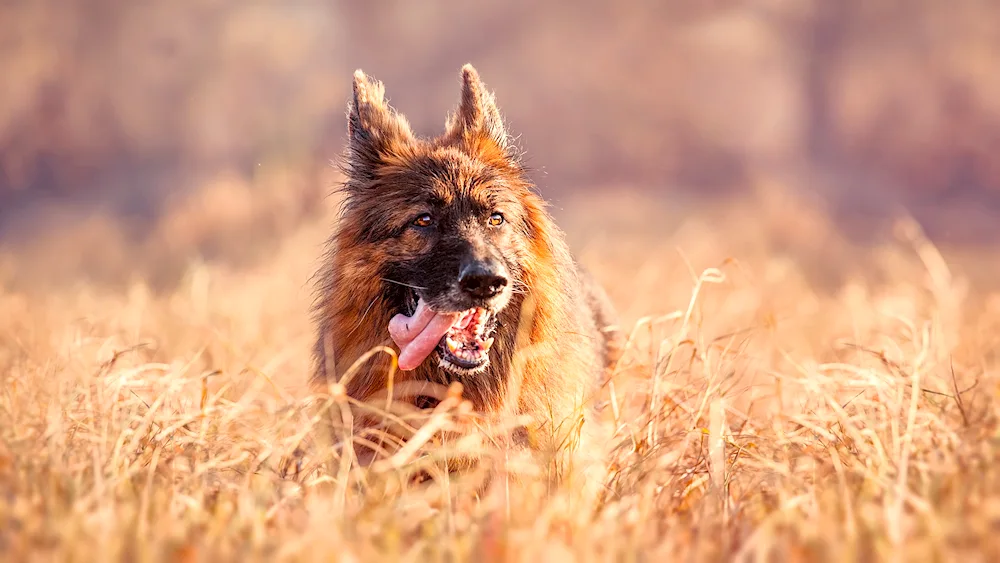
(787, 395)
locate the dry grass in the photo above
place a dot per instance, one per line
(755, 416)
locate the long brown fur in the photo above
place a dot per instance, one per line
(567, 350)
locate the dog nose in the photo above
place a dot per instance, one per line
(482, 280)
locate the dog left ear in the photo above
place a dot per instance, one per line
(378, 136)
(477, 126)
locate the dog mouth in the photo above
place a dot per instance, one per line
(466, 345)
(461, 340)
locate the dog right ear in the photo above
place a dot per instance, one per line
(477, 125)
(378, 136)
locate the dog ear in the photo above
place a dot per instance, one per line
(477, 126)
(377, 134)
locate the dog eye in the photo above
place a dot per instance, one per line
(424, 220)
(496, 220)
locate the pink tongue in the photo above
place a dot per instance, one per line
(417, 336)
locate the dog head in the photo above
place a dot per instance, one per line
(450, 219)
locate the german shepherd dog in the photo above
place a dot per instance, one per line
(443, 252)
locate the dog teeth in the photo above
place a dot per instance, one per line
(487, 344)
(467, 354)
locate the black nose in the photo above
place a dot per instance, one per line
(482, 280)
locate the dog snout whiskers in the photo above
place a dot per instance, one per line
(387, 280)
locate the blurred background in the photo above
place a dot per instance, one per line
(138, 136)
